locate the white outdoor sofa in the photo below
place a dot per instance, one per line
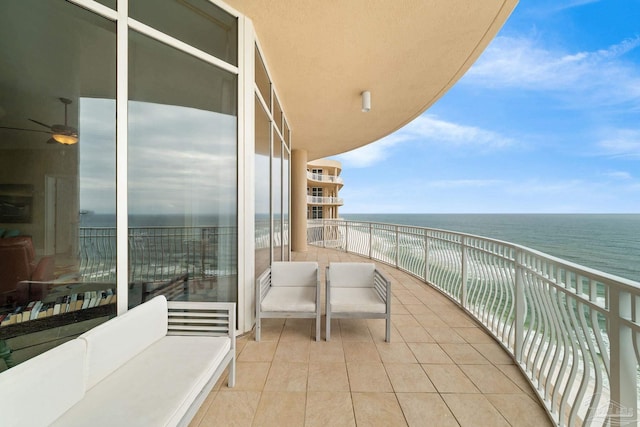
(288, 289)
(152, 366)
(357, 290)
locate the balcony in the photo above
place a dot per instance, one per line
(441, 368)
(318, 200)
(483, 331)
(317, 177)
(571, 330)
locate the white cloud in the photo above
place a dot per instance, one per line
(622, 175)
(621, 143)
(369, 155)
(601, 77)
(558, 5)
(428, 129)
(572, 186)
(465, 183)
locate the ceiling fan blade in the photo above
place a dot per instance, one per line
(52, 141)
(28, 130)
(40, 123)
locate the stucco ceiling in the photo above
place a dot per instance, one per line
(408, 53)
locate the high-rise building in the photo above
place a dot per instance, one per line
(323, 185)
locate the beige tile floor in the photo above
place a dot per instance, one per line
(440, 369)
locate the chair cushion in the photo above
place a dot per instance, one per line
(356, 300)
(155, 388)
(351, 274)
(289, 298)
(294, 273)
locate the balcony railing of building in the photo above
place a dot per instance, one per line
(159, 253)
(573, 331)
(318, 200)
(320, 177)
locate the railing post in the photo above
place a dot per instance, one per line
(370, 239)
(463, 285)
(426, 255)
(519, 308)
(202, 250)
(346, 236)
(325, 232)
(397, 246)
(623, 407)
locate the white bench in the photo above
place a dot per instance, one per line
(152, 366)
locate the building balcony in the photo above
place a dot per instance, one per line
(440, 368)
(572, 331)
(317, 200)
(324, 178)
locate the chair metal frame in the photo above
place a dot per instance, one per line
(382, 287)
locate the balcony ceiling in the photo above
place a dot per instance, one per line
(323, 54)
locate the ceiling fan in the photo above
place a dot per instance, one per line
(63, 134)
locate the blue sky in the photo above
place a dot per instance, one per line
(546, 121)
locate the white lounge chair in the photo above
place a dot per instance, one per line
(288, 289)
(357, 290)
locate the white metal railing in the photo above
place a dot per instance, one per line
(573, 331)
(317, 200)
(321, 177)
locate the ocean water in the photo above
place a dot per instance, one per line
(605, 242)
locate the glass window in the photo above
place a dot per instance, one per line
(277, 112)
(262, 79)
(199, 23)
(316, 212)
(276, 197)
(285, 202)
(182, 175)
(113, 4)
(287, 134)
(57, 201)
(262, 191)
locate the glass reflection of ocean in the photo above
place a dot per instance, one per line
(605, 242)
(161, 247)
(90, 219)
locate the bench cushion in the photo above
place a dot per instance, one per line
(112, 343)
(356, 300)
(298, 299)
(351, 274)
(37, 391)
(155, 388)
(303, 273)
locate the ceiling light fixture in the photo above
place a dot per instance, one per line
(65, 139)
(366, 101)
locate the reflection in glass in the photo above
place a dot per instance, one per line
(285, 203)
(262, 78)
(113, 4)
(277, 112)
(182, 176)
(198, 23)
(57, 202)
(276, 197)
(262, 196)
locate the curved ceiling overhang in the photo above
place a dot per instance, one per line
(322, 55)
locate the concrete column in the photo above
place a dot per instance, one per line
(299, 200)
